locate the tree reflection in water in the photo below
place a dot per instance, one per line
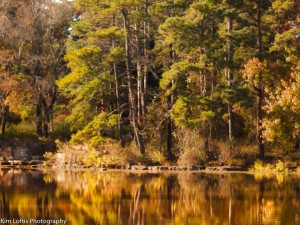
(149, 198)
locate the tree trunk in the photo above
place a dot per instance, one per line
(4, 117)
(53, 100)
(170, 100)
(133, 108)
(169, 136)
(230, 78)
(146, 47)
(37, 49)
(120, 125)
(259, 123)
(139, 73)
(145, 90)
(39, 122)
(260, 95)
(170, 103)
(36, 74)
(44, 112)
(1, 116)
(46, 119)
(214, 70)
(118, 96)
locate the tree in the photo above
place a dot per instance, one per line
(282, 125)
(133, 107)
(282, 120)
(114, 52)
(35, 32)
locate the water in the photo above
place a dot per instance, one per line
(115, 198)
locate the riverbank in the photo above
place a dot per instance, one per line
(42, 163)
(258, 167)
(20, 154)
(47, 154)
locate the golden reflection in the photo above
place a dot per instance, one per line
(268, 211)
(262, 176)
(125, 198)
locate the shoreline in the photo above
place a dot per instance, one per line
(39, 166)
(82, 170)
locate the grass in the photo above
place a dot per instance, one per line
(261, 167)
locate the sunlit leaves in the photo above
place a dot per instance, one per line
(283, 106)
(254, 71)
(96, 131)
(282, 6)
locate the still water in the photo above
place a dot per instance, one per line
(124, 198)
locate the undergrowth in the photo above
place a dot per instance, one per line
(259, 166)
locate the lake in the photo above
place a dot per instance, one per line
(125, 198)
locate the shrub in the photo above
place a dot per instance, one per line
(192, 147)
(223, 152)
(50, 158)
(156, 157)
(260, 167)
(109, 154)
(280, 167)
(96, 159)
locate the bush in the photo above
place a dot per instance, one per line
(96, 159)
(280, 167)
(223, 152)
(124, 156)
(98, 132)
(61, 131)
(77, 155)
(260, 167)
(50, 158)
(156, 157)
(107, 155)
(192, 147)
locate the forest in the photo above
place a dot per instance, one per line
(185, 82)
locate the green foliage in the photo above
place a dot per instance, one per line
(175, 79)
(116, 54)
(21, 131)
(204, 56)
(97, 132)
(182, 33)
(286, 43)
(179, 112)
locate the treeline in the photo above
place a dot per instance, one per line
(33, 34)
(187, 79)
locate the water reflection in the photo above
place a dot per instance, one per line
(127, 198)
